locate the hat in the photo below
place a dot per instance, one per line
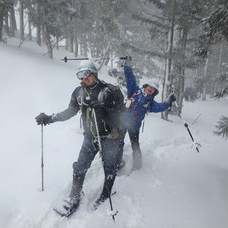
(153, 83)
(87, 65)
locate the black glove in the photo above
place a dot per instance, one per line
(44, 119)
(127, 61)
(171, 98)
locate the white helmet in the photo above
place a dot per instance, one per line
(153, 83)
(87, 65)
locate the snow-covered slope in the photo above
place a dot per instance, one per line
(177, 187)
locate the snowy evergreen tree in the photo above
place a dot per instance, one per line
(216, 25)
(216, 30)
(51, 18)
(5, 6)
(222, 127)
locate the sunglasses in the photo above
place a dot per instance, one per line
(83, 74)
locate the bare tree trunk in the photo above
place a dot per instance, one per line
(218, 68)
(67, 44)
(2, 11)
(47, 39)
(80, 44)
(57, 42)
(1, 26)
(107, 53)
(7, 23)
(76, 46)
(205, 78)
(85, 46)
(181, 67)
(81, 48)
(168, 61)
(164, 115)
(71, 43)
(21, 20)
(29, 26)
(38, 30)
(13, 24)
(46, 36)
(43, 33)
(111, 55)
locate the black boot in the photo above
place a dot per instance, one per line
(107, 188)
(76, 189)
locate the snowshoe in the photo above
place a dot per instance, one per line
(69, 209)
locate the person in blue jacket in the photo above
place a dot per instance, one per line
(140, 101)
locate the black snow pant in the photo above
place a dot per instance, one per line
(136, 151)
(89, 149)
(110, 158)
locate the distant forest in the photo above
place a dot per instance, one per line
(181, 42)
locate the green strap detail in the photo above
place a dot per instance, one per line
(87, 116)
(89, 120)
(88, 94)
(105, 126)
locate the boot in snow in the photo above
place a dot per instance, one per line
(121, 168)
(76, 189)
(107, 188)
(74, 197)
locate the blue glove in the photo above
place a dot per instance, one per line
(171, 98)
(127, 61)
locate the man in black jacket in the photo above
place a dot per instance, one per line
(101, 106)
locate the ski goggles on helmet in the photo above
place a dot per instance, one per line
(83, 74)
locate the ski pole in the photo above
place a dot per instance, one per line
(100, 150)
(115, 212)
(65, 59)
(98, 134)
(186, 125)
(42, 157)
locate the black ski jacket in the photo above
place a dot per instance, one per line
(108, 112)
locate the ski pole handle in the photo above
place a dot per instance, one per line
(122, 58)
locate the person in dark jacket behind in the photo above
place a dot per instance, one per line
(140, 101)
(100, 104)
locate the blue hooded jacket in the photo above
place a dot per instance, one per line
(141, 102)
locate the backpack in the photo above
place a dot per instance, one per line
(115, 106)
(118, 97)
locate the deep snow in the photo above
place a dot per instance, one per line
(176, 188)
